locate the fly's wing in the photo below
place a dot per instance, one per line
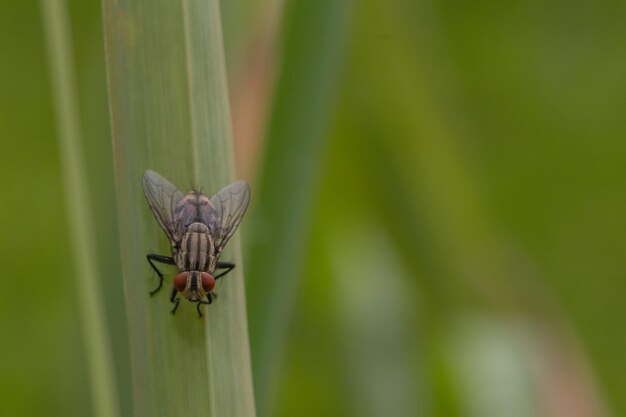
(224, 213)
(162, 197)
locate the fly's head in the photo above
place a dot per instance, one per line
(194, 285)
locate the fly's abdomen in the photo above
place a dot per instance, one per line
(196, 249)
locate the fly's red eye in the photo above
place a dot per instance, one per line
(208, 281)
(180, 281)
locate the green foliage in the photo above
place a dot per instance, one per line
(295, 143)
(437, 228)
(169, 110)
(83, 237)
(453, 146)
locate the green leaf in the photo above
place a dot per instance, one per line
(311, 65)
(82, 229)
(170, 113)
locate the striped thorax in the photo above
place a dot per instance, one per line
(197, 250)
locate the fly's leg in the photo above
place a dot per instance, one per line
(228, 266)
(163, 259)
(209, 300)
(174, 300)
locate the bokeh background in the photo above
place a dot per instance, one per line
(438, 223)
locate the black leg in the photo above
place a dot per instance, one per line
(209, 298)
(174, 300)
(159, 258)
(228, 266)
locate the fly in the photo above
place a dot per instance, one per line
(198, 228)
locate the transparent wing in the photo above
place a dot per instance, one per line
(162, 197)
(224, 213)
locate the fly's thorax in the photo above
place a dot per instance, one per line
(194, 285)
(198, 227)
(197, 248)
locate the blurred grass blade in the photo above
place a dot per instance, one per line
(170, 113)
(103, 387)
(375, 332)
(493, 360)
(315, 37)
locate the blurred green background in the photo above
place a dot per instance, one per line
(437, 226)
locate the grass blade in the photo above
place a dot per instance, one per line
(315, 34)
(170, 112)
(103, 387)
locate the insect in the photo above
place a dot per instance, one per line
(198, 228)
